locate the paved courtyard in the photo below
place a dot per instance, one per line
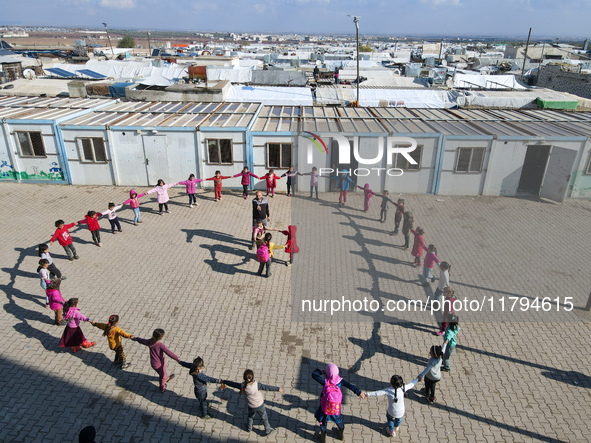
(521, 376)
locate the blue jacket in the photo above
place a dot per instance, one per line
(344, 180)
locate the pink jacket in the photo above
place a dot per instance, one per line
(134, 203)
(75, 317)
(245, 181)
(191, 184)
(162, 192)
(54, 299)
(430, 259)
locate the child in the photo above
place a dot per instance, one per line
(91, 220)
(418, 246)
(398, 215)
(367, 194)
(161, 190)
(245, 180)
(395, 396)
(157, 360)
(114, 334)
(449, 339)
(54, 272)
(449, 296)
(255, 400)
(134, 203)
(217, 184)
(265, 254)
(291, 246)
(291, 180)
(113, 219)
(43, 271)
(200, 381)
(432, 373)
(313, 181)
(331, 399)
(55, 301)
(430, 260)
(64, 239)
(271, 179)
(407, 225)
(344, 182)
(444, 268)
(258, 233)
(73, 336)
(385, 205)
(190, 186)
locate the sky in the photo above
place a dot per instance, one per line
(549, 18)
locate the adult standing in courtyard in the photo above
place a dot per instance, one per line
(260, 211)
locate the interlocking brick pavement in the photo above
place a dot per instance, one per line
(191, 273)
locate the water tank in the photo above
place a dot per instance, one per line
(198, 72)
(413, 70)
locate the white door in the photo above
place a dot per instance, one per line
(156, 153)
(558, 173)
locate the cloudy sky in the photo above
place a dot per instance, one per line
(549, 18)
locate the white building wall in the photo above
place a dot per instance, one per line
(461, 183)
(35, 168)
(86, 173)
(504, 167)
(238, 158)
(413, 181)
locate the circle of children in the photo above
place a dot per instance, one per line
(329, 409)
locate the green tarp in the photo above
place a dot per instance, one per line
(556, 104)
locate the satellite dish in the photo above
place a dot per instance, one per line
(29, 74)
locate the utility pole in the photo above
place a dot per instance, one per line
(540, 64)
(149, 45)
(356, 21)
(525, 55)
(109, 38)
(440, 51)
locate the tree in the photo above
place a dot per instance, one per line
(364, 48)
(126, 42)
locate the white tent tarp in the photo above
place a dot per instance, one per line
(400, 98)
(467, 81)
(278, 96)
(234, 74)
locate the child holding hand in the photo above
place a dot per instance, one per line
(134, 203)
(114, 334)
(200, 381)
(63, 237)
(191, 188)
(217, 184)
(157, 353)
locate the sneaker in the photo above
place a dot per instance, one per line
(167, 211)
(248, 429)
(113, 232)
(191, 205)
(245, 197)
(117, 363)
(196, 204)
(270, 431)
(100, 245)
(207, 417)
(440, 333)
(311, 197)
(76, 257)
(170, 378)
(432, 279)
(268, 275)
(160, 213)
(389, 432)
(120, 230)
(405, 248)
(125, 365)
(76, 348)
(139, 221)
(135, 224)
(445, 369)
(63, 277)
(432, 399)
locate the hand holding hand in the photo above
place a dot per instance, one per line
(363, 395)
(47, 305)
(419, 378)
(281, 391)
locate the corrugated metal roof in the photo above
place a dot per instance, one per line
(451, 122)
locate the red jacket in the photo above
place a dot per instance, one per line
(217, 181)
(63, 236)
(92, 222)
(271, 182)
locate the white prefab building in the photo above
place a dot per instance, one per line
(462, 152)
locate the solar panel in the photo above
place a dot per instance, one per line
(61, 73)
(91, 74)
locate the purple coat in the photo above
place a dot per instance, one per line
(245, 181)
(191, 185)
(157, 351)
(75, 317)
